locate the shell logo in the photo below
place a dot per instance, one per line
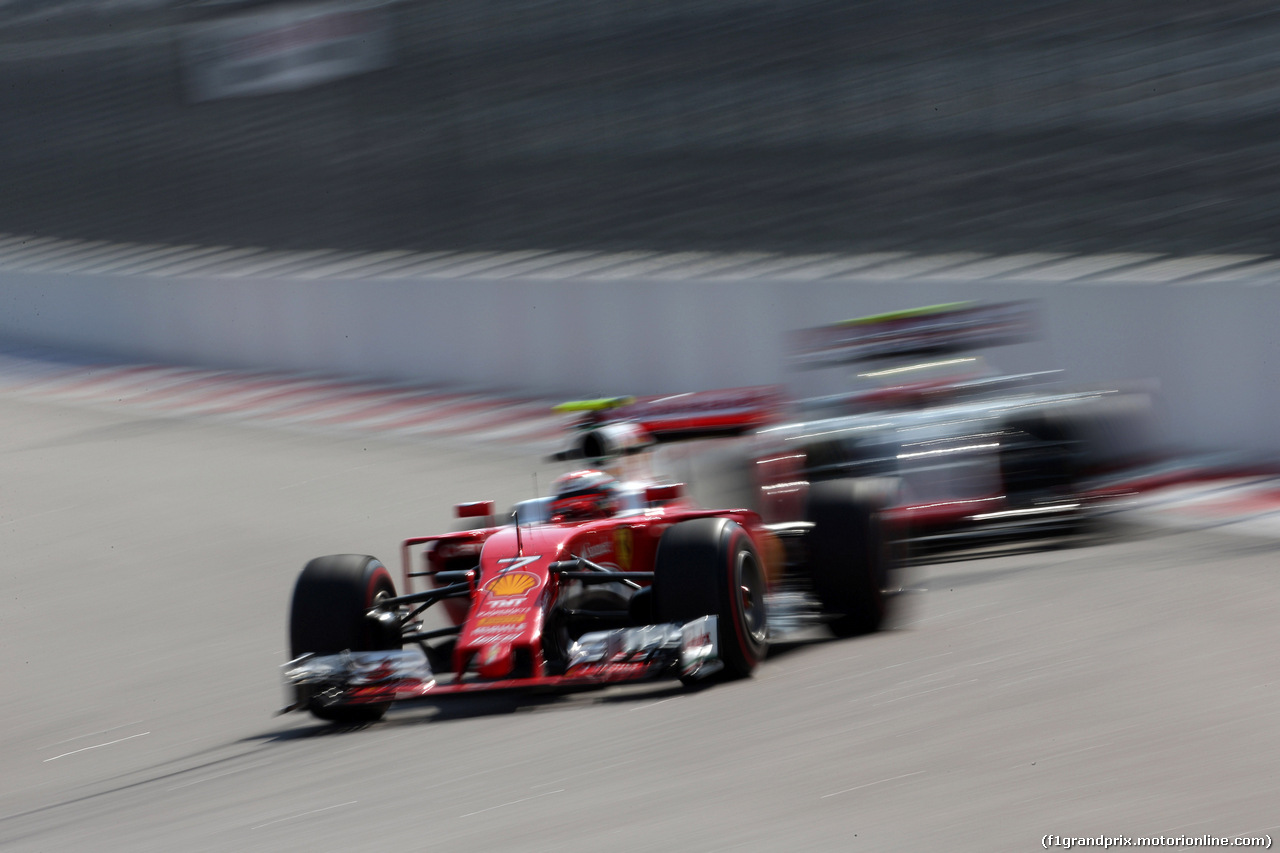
(511, 584)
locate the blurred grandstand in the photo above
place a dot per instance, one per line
(793, 125)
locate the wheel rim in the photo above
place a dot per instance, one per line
(383, 636)
(751, 597)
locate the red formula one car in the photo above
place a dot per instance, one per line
(616, 576)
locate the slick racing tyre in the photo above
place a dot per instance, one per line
(327, 616)
(849, 559)
(709, 567)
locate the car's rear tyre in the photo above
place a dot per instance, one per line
(328, 616)
(710, 567)
(1038, 458)
(849, 557)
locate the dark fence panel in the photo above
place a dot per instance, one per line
(810, 125)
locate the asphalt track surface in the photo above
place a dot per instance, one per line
(1124, 687)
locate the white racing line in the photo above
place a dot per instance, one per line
(871, 784)
(97, 746)
(305, 814)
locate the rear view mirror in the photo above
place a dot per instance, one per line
(664, 492)
(474, 509)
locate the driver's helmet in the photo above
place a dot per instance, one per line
(584, 494)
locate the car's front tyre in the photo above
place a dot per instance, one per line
(328, 615)
(710, 566)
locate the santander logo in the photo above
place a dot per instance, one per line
(598, 550)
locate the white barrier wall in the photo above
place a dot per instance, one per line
(1210, 346)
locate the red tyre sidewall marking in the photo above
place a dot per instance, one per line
(379, 571)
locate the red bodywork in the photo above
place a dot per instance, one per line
(504, 638)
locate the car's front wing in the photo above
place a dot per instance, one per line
(688, 650)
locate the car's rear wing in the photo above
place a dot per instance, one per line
(729, 410)
(928, 331)
(613, 426)
(916, 394)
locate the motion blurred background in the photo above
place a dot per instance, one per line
(788, 125)
(1120, 687)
